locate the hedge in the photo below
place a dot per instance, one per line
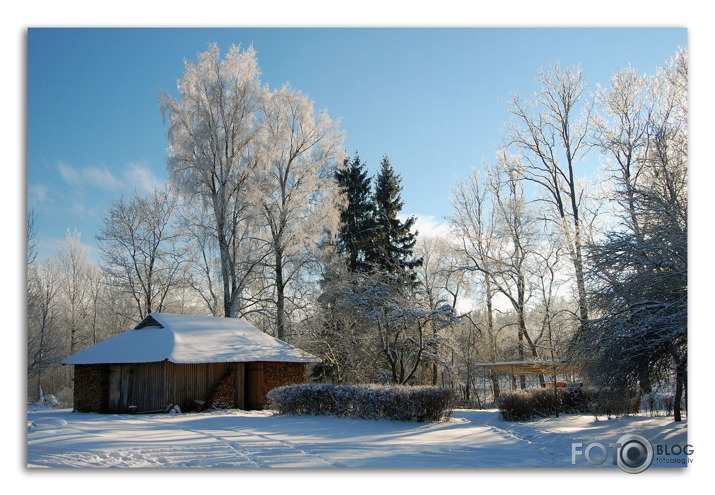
(527, 405)
(400, 403)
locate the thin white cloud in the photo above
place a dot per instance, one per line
(88, 176)
(69, 174)
(135, 176)
(36, 194)
(140, 177)
(100, 177)
(431, 226)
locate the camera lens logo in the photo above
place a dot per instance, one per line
(635, 453)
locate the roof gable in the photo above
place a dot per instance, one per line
(190, 339)
(149, 321)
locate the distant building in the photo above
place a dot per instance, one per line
(181, 360)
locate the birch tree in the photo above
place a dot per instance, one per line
(551, 132)
(74, 290)
(294, 188)
(212, 136)
(517, 239)
(473, 223)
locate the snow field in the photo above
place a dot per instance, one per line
(233, 439)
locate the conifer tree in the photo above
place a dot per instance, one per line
(393, 245)
(357, 219)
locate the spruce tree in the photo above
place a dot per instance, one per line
(357, 220)
(392, 247)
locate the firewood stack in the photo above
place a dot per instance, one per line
(222, 396)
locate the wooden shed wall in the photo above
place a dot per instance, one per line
(192, 381)
(112, 388)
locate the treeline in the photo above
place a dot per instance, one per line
(265, 218)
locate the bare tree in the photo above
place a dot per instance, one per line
(517, 237)
(499, 236)
(45, 345)
(621, 134)
(139, 249)
(552, 137)
(74, 265)
(473, 223)
(202, 263)
(31, 237)
(441, 281)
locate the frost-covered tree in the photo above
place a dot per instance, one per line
(139, 249)
(212, 137)
(395, 328)
(518, 240)
(473, 224)
(45, 345)
(551, 133)
(500, 238)
(294, 188)
(338, 335)
(202, 262)
(639, 269)
(620, 133)
(441, 281)
(74, 266)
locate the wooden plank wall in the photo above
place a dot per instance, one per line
(146, 392)
(191, 381)
(152, 386)
(239, 373)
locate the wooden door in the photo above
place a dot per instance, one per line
(239, 396)
(126, 389)
(120, 388)
(254, 386)
(115, 380)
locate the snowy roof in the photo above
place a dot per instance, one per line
(191, 339)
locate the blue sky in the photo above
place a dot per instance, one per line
(428, 98)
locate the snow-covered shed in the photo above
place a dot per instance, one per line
(184, 360)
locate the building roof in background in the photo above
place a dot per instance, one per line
(534, 367)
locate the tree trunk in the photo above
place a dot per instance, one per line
(680, 378)
(280, 297)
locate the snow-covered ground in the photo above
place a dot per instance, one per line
(232, 439)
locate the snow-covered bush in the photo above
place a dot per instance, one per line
(527, 405)
(364, 401)
(48, 401)
(51, 401)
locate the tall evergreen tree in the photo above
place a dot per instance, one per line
(392, 248)
(357, 219)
